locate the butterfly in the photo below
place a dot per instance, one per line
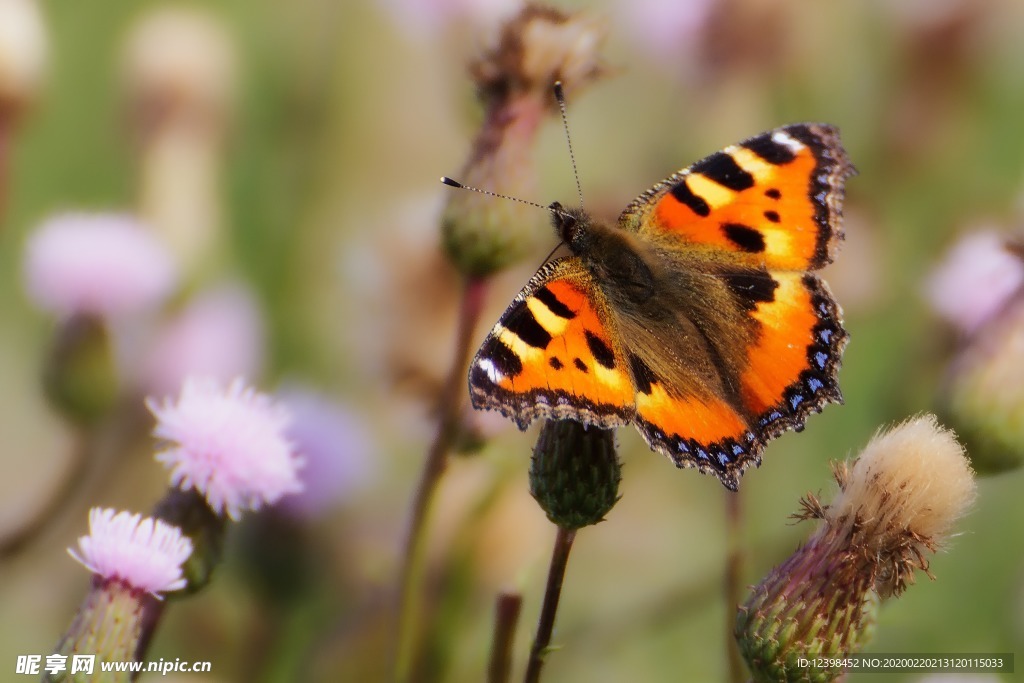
(697, 318)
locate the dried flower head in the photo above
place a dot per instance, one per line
(96, 264)
(537, 47)
(514, 79)
(229, 445)
(901, 497)
(975, 280)
(897, 502)
(145, 553)
(23, 48)
(180, 62)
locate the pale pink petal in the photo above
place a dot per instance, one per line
(145, 553)
(229, 445)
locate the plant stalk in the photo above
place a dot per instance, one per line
(546, 624)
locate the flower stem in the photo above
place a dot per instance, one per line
(733, 576)
(473, 293)
(559, 559)
(6, 126)
(505, 620)
(57, 502)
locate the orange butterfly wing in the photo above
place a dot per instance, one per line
(773, 200)
(553, 354)
(764, 211)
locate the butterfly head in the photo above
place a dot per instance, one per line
(570, 224)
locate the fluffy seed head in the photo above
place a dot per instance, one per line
(913, 478)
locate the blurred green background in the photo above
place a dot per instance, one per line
(328, 204)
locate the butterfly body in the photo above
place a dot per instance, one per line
(696, 317)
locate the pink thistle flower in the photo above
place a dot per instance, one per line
(219, 334)
(145, 553)
(229, 445)
(667, 29)
(96, 264)
(975, 280)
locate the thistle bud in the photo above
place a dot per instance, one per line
(514, 80)
(575, 473)
(897, 502)
(80, 377)
(188, 511)
(984, 394)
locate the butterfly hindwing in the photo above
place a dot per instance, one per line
(552, 354)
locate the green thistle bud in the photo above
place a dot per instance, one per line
(80, 376)
(575, 473)
(897, 501)
(189, 511)
(801, 610)
(985, 393)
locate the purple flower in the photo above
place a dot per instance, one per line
(229, 445)
(145, 553)
(336, 448)
(96, 264)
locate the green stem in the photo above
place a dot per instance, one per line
(733, 577)
(505, 619)
(556, 575)
(58, 501)
(6, 129)
(433, 468)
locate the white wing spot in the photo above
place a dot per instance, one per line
(493, 374)
(781, 137)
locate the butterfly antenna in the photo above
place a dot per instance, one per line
(560, 96)
(553, 208)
